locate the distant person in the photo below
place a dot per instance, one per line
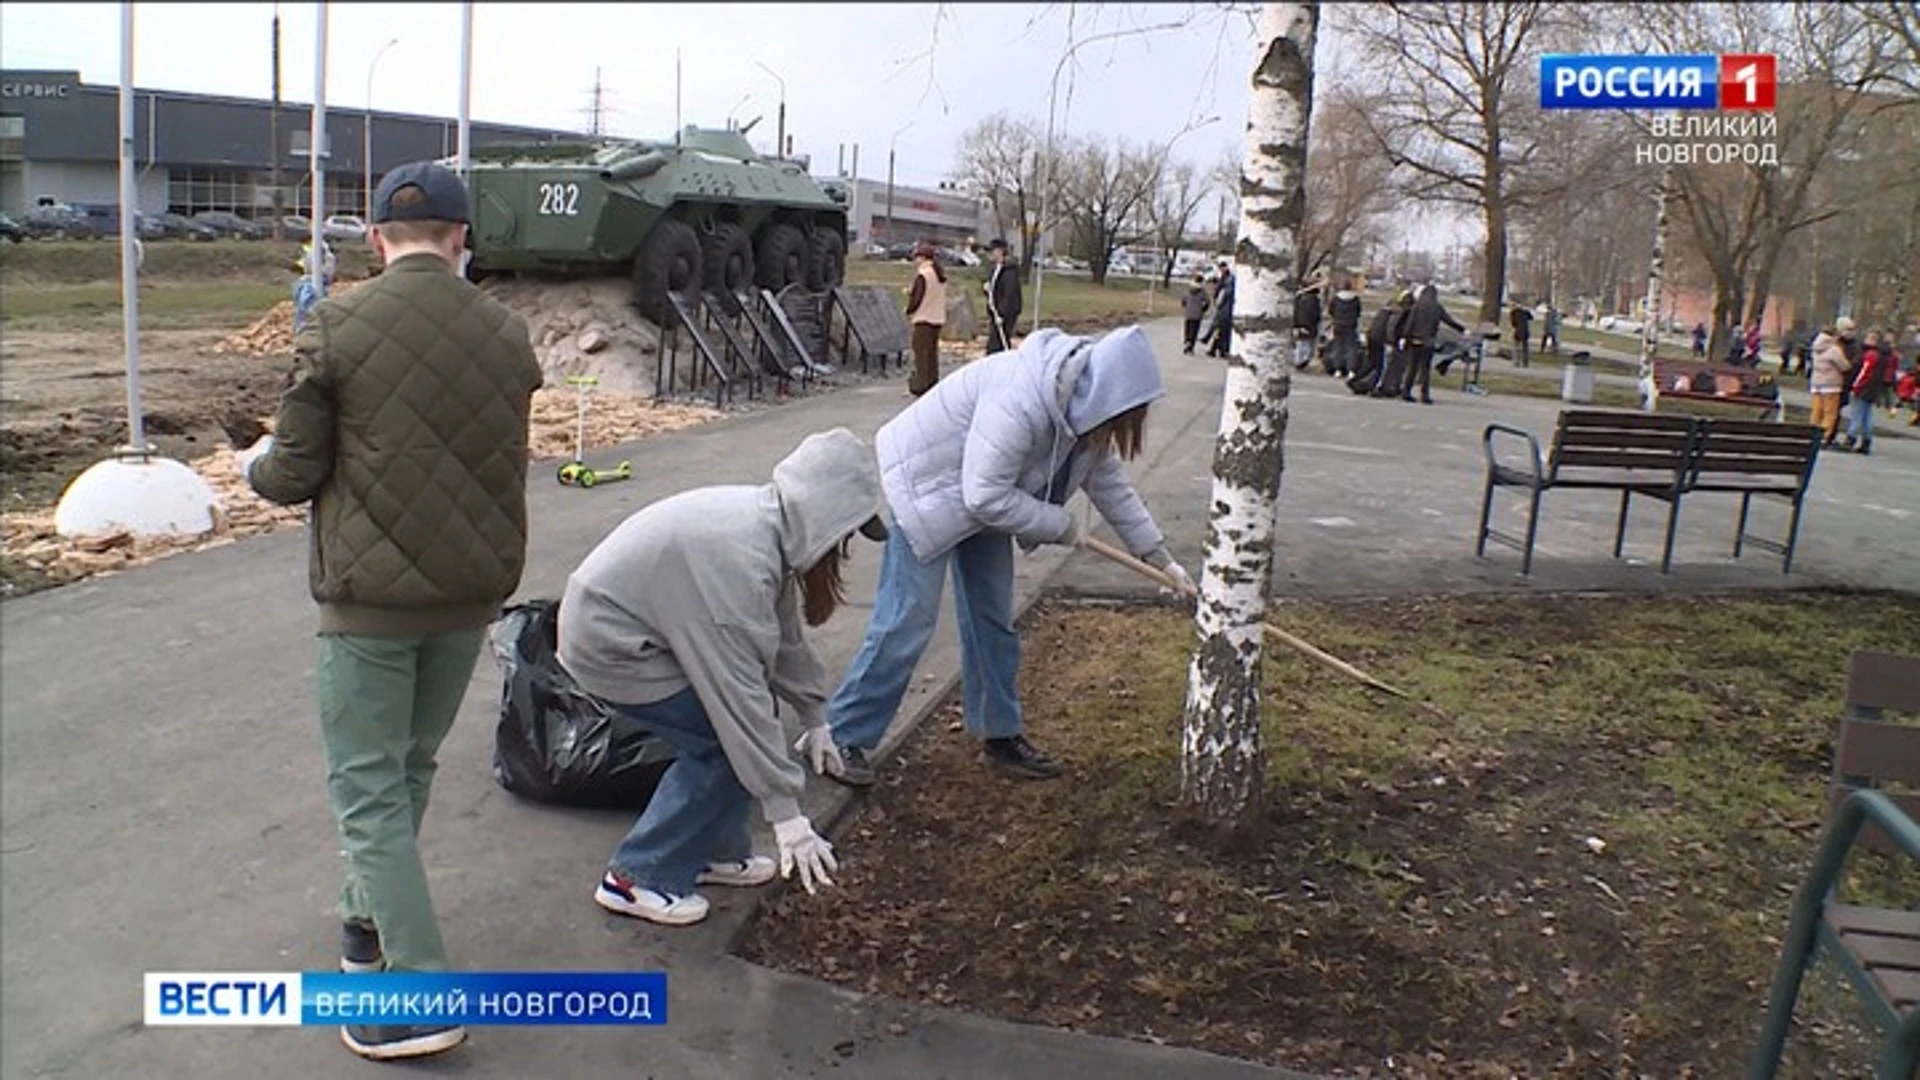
(1306, 324)
(690, 620)
(990, 458)
(1343, 315)
(1393, 374)
(1828, 382)
(1753, 343)
(1373, 362)
(927, 313)
(1521, 319)
(1223, 296)
(1869, 385)
(405, 427)
(1791, 345)
(1422, 334)
(1550, 331)
(305, 293)
(1699, 340)
(1003, 299)
(1193, 308)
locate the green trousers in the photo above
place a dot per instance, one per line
(385, 705)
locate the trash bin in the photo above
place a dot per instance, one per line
(1576, 380)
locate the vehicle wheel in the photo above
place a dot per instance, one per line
(829, 264)
(783, 257)
(727, 254)
(669, 262)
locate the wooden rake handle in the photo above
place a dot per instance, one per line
(1300, 645)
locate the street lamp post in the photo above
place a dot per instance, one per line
(780, 126)
(890, 146)
(366, 134)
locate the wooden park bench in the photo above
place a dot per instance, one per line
(1731, 386)
(1657, 457)
(1876, 772)
(1595, 450)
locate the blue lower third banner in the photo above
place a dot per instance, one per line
(265, 999)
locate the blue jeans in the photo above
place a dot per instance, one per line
(697, 815)
(906, 609)
(1860, 419)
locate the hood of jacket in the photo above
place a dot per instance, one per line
(1120, 374)
(829, 486)
(1429, 295)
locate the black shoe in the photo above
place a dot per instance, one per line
(1866, 447)
(360, 948)
(386, 1042)
(1017, 755)
(1426, 401)
(858, 771)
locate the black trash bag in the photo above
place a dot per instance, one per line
(556, 743)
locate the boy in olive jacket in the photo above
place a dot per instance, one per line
(405, 426)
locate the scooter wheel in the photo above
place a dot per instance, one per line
(588, 478)
(569, 473)
(625, 471)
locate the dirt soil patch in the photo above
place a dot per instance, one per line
(1583, 871)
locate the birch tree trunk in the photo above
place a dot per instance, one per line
(1222, 767)
(1656, 270)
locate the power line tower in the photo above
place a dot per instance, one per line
(597, 109)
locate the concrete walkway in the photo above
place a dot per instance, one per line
(162, 804)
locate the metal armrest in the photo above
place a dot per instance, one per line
(1494, 467)
(1854, 813)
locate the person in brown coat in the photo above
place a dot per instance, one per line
(1829, 381)
(926, 313)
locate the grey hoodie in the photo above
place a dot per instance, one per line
(993, 447)
(698, 590)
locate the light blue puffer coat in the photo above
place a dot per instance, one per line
(992, 447)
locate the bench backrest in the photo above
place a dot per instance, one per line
(1725, 448)
(1874, 749)
(1631, 442)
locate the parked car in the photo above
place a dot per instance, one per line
(876, 251)
(343, 227)
(295, 226)
(173, 226)
(58, 222)
(11, 230)
(231, 224)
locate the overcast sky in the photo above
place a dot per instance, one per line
(865, 73)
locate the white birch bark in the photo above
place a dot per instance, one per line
(1656, 270)
(1222, 764)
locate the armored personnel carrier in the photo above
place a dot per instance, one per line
(702, 213)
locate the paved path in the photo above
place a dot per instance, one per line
(162, 805)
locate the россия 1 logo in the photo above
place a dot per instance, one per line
(1729, 81)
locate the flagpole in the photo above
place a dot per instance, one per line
(466, 87)
(129, 251)
(317, 155)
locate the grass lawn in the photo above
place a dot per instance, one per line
(1582, 870)
(163, 305)
(1069, 301)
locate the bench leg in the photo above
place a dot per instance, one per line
(1897, 1060)
(1673, 523)
(1793, 536)
(1740, 531)
(1533, 522)
(1486, 512)
(1620, 530)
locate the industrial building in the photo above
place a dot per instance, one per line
(59, 142)
(944, 217)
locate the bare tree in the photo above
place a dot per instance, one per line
(1224, 180)
(1349, 181)
(1000, 157)
(1454, 76)
(1180, 192)
(1108, 189)
(1222, 762)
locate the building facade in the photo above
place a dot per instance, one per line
(938, 216)
(59, 142)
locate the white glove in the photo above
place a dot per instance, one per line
(254, 453)
(1179, 575)
(817, 743)
(1076, 533)
(801, 847)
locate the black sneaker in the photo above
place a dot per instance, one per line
(387, 1042)
(1017, 755)
(858, 772)
(360, 948)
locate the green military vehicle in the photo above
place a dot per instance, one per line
(703, 213)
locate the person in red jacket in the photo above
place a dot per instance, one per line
(1867, 387)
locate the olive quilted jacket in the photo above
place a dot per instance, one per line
(405, 423)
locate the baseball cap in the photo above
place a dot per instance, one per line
(444, 196)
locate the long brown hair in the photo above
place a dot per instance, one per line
(821, 589)
(1124, 433)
